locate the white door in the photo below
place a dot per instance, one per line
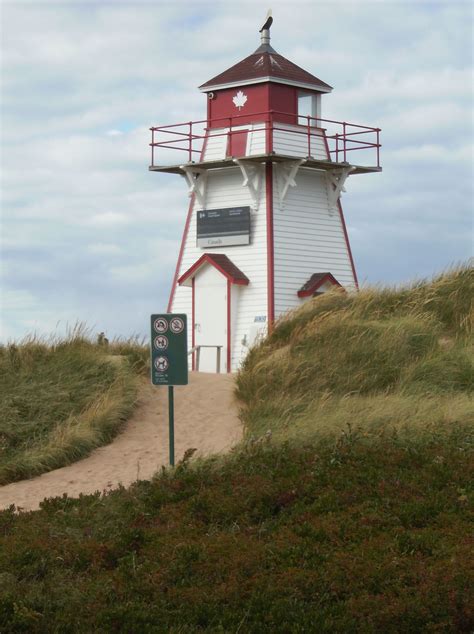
(210, 318)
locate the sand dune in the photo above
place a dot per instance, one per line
(206, 417)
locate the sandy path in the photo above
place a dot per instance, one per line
(205, 418)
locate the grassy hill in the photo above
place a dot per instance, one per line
(379, 360)
(61, 398)
(347, 509)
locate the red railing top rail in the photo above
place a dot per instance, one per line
(266, 112)
(338, 134)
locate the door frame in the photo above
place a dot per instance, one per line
(232, 274)
(228, 323)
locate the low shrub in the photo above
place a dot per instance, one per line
(355, 533)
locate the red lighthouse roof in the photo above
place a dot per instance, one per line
(265, 64)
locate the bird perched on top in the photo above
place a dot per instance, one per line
(268, 21)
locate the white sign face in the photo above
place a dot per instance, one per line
(161, 364)
(160, 325)
(223, 241)
(176, 325)
(160, 342)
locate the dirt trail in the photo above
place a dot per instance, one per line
(205, 418)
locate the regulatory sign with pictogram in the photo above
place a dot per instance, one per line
(160, 325)
(160, 342)
(169, 352)
(176, 325)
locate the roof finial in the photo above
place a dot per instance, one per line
(265, 30)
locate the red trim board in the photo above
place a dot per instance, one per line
(193, 325)
(229, 315)
(180, 256)
(183, 239)
(270, 247)
(237, 143)
(343, 222)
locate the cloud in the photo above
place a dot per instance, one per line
(89, 234)
(18, 300)
(110, 219)
(102, 248)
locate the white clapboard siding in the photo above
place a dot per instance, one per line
(308, 238)
(293, 141)
(256, 140)
(224, 189)
(287, 140)
(215, 145)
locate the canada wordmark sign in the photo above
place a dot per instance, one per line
(223, 227)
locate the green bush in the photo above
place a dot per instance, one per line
(350, 534)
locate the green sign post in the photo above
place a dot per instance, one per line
(169, 359)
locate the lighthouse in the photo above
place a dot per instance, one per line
(265, 229)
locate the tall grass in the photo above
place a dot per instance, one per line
(62, 397)
(380, 349)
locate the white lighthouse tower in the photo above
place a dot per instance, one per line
(265, 228)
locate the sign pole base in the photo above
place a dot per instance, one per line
(171, 422)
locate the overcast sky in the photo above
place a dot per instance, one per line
(89, 235)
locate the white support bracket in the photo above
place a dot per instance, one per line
(253, 177)
(336, 179)
(197, 180)
(286, 174)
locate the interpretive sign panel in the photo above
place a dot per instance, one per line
(223, 227)
(169, 349)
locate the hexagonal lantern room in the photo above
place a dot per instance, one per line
(265, 228)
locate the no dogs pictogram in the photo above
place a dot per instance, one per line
(161, 342)
(161, 364)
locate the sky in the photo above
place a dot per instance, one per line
(89, 235)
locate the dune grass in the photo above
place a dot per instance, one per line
(378, 359)
(61, 398)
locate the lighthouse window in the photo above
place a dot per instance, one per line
(308, 106)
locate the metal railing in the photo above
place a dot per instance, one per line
(197, 350)
(190, 137)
